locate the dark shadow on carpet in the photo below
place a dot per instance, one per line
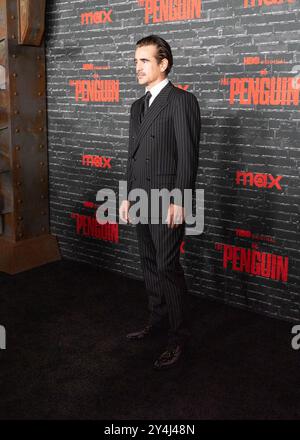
(67, 356)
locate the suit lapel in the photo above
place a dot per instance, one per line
(136, 115)
(159, 103)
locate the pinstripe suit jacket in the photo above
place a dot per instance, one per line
(163, 149)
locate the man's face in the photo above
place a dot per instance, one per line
(148, 71)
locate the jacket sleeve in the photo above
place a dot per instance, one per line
(187, 126)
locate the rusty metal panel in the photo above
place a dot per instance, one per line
(28, 131)
(6, 195)
(27, 122)
(31, 21)
(25, 241)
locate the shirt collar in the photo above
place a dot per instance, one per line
(155, 90)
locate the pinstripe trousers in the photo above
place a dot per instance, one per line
(159, 248)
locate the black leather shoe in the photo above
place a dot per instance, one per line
(169, 358)
(146, 332)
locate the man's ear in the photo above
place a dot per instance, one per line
(164, 64)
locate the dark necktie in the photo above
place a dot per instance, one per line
(146, 105)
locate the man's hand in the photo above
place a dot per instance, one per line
(123, 211)
(175, 216)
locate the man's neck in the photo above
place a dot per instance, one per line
(150, 86)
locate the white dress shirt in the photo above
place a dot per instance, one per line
(155, 90)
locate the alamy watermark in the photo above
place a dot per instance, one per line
(160, 201)
(2, 338)
(295, 342)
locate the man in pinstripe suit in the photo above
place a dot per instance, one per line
(164, 136)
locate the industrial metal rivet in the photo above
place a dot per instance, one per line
(18, 147)
(20, 218)
(14, 75)
(20, 201)
(42, 163)
(15, 93)
(12, 17)
(14, 55)
(41, 128)
(16, 112)
(13, 36)
(41, 146)
(17, 130)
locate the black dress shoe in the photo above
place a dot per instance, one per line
(169, 358)
(146, 332)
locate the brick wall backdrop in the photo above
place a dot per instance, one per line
(241, 60)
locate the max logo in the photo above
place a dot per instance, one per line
(257, 179)
(182, 86)
(96, 17)
(96, 161)
(2, 338)
(295, 342)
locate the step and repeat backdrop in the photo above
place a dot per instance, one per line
(241, 60)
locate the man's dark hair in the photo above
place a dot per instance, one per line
(163, 49)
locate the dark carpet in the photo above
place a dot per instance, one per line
(67, 356)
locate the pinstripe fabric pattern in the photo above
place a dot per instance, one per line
(163, 153)
(163, 150)
(159, 249)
